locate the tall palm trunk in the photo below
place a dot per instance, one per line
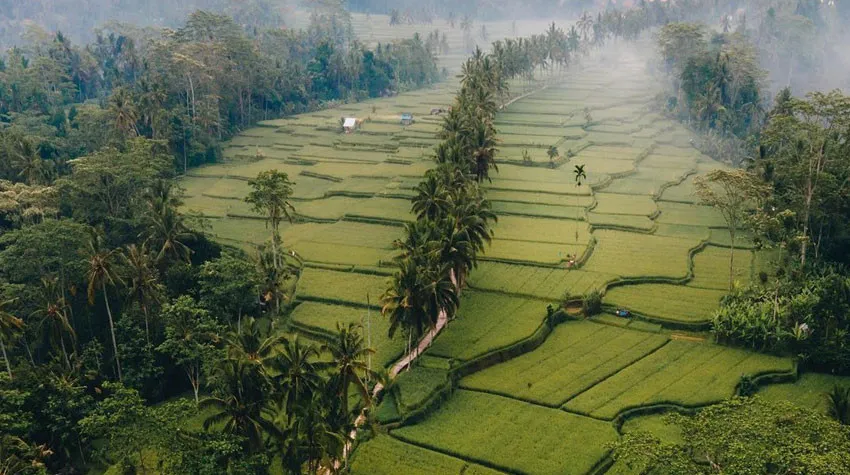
(112, 331)
(147, 328)
(6, 359)
(64, 351)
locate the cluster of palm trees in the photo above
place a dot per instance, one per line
(554, 50)
(135, 270)
(283, 395)
(453, 217)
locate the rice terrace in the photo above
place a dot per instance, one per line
(330, 237)
(507, 387)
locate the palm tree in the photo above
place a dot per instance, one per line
(472, 214)
(420, 290)
(458, 251)
(101, 274)
(349, 352)
(253, 344)
(431, 198)
(580, 175)
(124, 112)
(144, 286)
(166, 228)
(297, 378)
(483, 146)
(9, 325)
(54, 317)
(838, 404)
(33, 169)
(238, 407)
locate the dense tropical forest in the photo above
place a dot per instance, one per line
(139, 337)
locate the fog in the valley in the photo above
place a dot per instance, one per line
(802, 43)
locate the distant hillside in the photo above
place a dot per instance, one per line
(78, 18)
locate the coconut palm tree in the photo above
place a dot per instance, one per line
(473, 214)
(143, 282)
(166, 230)
(33, 169)
(296, 376)
(483, 152)
(580, 175)
(419, 291)
(9, 326)
(53, 316)
(457, 250)
(254, 344)
(238, 406)
(124, 112)
(349, 354)
(101, 275)
(431, 200)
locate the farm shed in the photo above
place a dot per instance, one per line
(350, 124)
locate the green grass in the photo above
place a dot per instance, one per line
(487, 322)
(385, 455)
(576, 356)
(809, 391)
(676, 303)
(683, 373)
(517, 436)
(343, 287)
(538, 282)
(325, 317)
(634, 255)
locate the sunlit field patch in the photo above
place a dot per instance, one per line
(634, 254)
(576, 356)
(673, 303)
(683, 373)
(481, 426)
(487, 322)
(539, 282)
(385, 455)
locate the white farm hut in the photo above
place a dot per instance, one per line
(349, 124)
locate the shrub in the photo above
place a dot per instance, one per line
(747, 386)
(591, 303)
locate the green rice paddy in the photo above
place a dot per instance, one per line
(529, 400)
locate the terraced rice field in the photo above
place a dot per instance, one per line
(512, 435)
(575, 357)
(681, 373)
(534, 397)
